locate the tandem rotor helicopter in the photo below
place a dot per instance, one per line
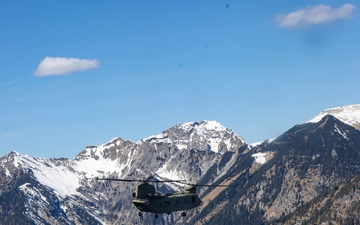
(146, 199)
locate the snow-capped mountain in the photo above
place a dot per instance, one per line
(185, 151)
(349, 114)
(308, 175)
(203, 135)
(303, 175)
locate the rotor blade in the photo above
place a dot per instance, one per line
(212, 185)
(145, 181)
(116, 179)
(166, 181)
(205, 185)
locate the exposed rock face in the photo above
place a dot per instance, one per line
(310, 162)
(340, 206)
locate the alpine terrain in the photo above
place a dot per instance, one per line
(308, 175)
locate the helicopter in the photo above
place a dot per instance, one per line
(146, 199)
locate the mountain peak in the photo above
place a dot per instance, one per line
(349, 114)
(202, 126)
(200, 135)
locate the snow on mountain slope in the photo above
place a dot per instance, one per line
(94, 164)
(57, 177)
(349, 114)
(204, 135)
(64, 176)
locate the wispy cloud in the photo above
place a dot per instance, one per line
(8, 83)
(315, 15)
(51, 66)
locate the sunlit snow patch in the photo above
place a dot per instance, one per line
(261, 157)
(171, 174)
(59, 178)
(95, 165)
(349, 114)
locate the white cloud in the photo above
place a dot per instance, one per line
(50, 66)
(315, 15)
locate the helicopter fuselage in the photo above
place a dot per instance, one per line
(160, 203)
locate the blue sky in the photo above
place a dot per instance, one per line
(79, 73)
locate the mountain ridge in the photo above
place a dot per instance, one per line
(349, 114)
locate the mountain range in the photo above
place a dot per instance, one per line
(307, 175)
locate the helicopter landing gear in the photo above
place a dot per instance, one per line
(183, 214)
(156, 216)
(140, 214)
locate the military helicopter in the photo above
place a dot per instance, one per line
(146, 199)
